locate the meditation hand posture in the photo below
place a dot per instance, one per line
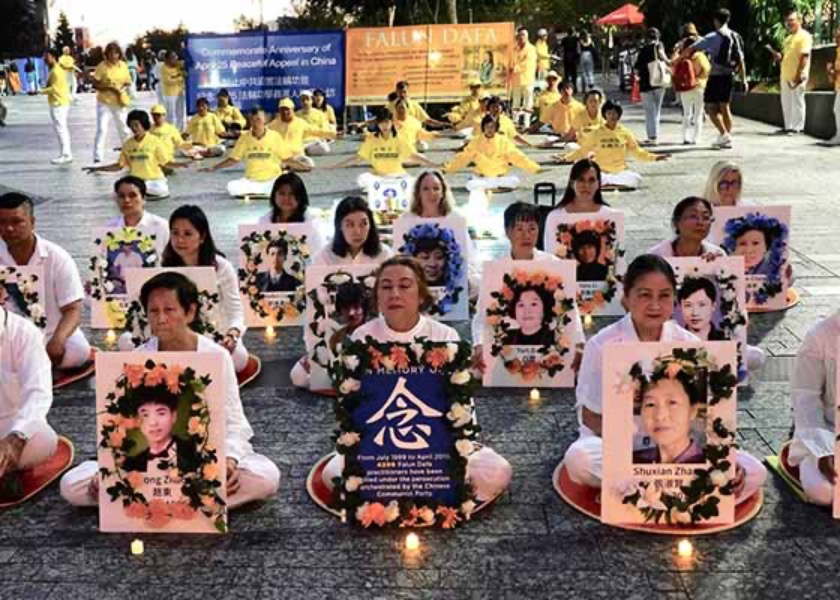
(411, 130)
(320, 129)
(724, 185)
(263, 150)
(609, 146)
(26, 439)
(691, 221)
(294, 132)
(557, 117)
(130, 197)
(171, 303)
(468, 107)
(319, 102)
(522, 230)
(505, 125)
(205, 130)
(401, 295)
(290, 204)
(585, 120)
(144, 155)
(649, 290)
(414, 108)
(231, 117)
(814, 406)
(356, 239)
(65, 342)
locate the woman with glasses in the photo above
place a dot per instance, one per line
(692, 219)
(723, 187)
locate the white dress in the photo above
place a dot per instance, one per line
(488, 471)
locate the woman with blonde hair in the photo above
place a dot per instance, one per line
(723, 187)
(432, 196)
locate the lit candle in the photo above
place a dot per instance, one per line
(137, 547)
(587, 321)
(685, 549)
(246, 199)
(111, 337)
(270, 334)
(534, 396)
(412, 542)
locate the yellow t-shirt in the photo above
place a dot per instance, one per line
(205, 130)
(583, 124)
(837, 70)
(543, 55)
(262, 156)
(172, 79)
(116, 76)
(316, 120)
(67, 62)
(144, 158)
(411, 130)
(702, 69)
(544, 102)
(611, 147)
(795, 46)
(524, 65)
(492, 157)
(386, 157)
(293, 134)
(506, 127)
(560, 115)
(57, 90)
(170, 137)
(413, 109)
(230, 115)
(465, 110)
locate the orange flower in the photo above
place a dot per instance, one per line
(672, 370)
(156, 375)
(566, 238)
(375, 358)
(129, 423)
(173, 378)
(400, 357)
(373, 513)
(507, 293)
(583, 225)
(514, 366)
(290, 311)
(530, 370)
(211, 471)
(436, 357)
(135, 510)
(159, 514)
(599, 226)
(116, 438)
(135, 479)
(134, 374)
(182, 511)
(450, 517)
(552, 360)
(598, 298)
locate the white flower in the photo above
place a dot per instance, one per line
(304, 249)
(109, 287)
(351, 362)
(460, 377)
(467, 508)
(348, 386)
(37, 311)
(647, 367)
(341, 278)
(353, 483)
(464, 447)
(101, 263)
(322, 356)
(718, 477)
(561, 250)
(348, 438)
(151, 259)
(323, 297)
(451, 350)
(627, 487)
(388, 363)
(25, 287)
(392, 511)
(417, 349)
(651, 498)
(680, 516)
(460, 415)
(427, 515)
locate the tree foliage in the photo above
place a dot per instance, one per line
(22, 29)
(162, 39)
(63, 34)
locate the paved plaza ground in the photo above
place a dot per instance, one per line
(530, 545)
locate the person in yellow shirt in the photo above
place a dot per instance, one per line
(414, 107)
(795, 59)
(204, 130)
(471, 122)
(58, 96)
(609, 146)
(492, 155)
(262, 149)
(544, 102)
(522, 75)
(505, 126)
(68, 64)
(314, 145)
(585, 120)
(543, 55)
(834, 77)
(145, 156)
(293, 131)
(692, 100)
(166, 132)
(385, 152)
(231, 117)
(173, 80)
(319, 102)
(468, 106)
(556, 118)
(411, 130)
(111, 80)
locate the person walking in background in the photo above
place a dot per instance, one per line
(571, 55)
(588, 61)
(653, 68)
(31, 76)
(58, 96)
(131, 61)
(522, 76)
(68, 64)
(689, 80)
(156, 70)
(834, 77)
(111, 81)
(172, 79)
(543, 54)
(795, 59)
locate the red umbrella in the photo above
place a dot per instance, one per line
(626, 15)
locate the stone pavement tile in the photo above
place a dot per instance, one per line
(781, 585)
(28, 590)
(164, 590)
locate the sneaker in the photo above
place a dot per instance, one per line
(62, 160)
(723, 141)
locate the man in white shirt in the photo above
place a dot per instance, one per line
(171, 301)
(20, 246)
(26, 439)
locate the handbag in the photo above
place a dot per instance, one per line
(658, 71)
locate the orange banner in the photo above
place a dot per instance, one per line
(438, 61)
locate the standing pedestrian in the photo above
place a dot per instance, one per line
(58, 96)
(653, 68)
(111, 81)
(543, 54)
(523, 74)
(172, 79)
(795, 59)
(68, 64)
(834, 75)
(588, 61)
(571, 56)
(689, 79)
(131, 61)
(31, 76)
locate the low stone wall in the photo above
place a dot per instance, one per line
(767, 108)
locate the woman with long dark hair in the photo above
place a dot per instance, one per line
(356, 240)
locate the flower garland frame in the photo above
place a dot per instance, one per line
(606, 229)
(201, 484)
(26, 284)
(453, 361)
(288, 309)
(99, 286)
(552, 359)
(454, 261)
(734, 228)
(137, 322)
(697, 500)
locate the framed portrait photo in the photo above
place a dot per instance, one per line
(160, 422)
(595, 242)
(529, 318)
(440, 246)
(272, 262)
(669, 433)
(22, 292)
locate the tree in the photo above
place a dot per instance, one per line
(245, 23)
(161, 39)
(63, 34)
(22, 29)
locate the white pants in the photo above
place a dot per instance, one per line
(104, 114)
(317, 148)
(58, 116)
(157, 188)
(40, 445)
(299, 375)
(793, 106)
(247, 187)
(627, 179)
(488, 471)
(240, 356)
(817, 487)
(259, 479)
(692, 110)
(836, 117)
(522, 98)
(76, 351)
(176, 109)
(71, 83)
(584, 464)
(196, 152)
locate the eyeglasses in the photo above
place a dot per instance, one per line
(699, 218)
(726, 185)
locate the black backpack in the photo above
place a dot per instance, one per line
(731, 53)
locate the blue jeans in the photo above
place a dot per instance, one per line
(652, 103)
(587, 67)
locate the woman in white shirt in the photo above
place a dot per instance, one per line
(191, 245)
(649, 291)
(290, 204)
(356, 239)
(814, 405)
(724, 185)
(130, 196)
(692, 220)
(401, 296)
(171, 301)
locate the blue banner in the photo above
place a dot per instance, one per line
(260, 68)
(406, 438)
